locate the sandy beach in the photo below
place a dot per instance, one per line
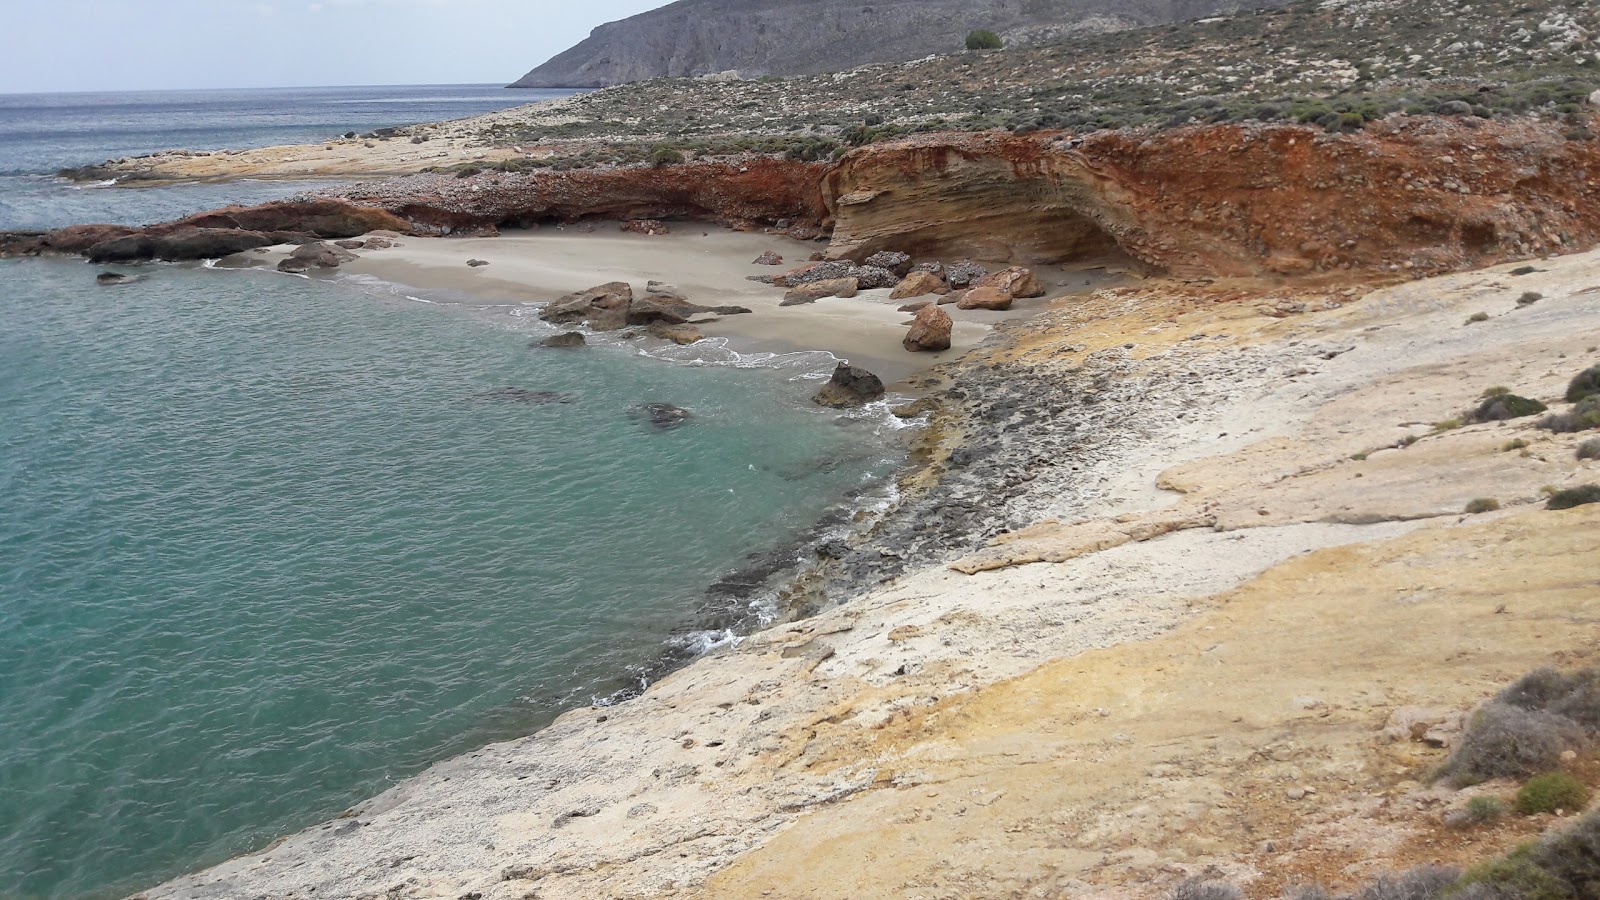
(709, 265)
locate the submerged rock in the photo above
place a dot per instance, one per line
(523, 395)
(112, 279)
(678, 334)
(663, 415)
(566, 339)
(850, 386)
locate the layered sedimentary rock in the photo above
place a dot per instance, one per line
(755, 192)
(209, 235)
(1413, 194)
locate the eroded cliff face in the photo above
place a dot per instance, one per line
(1416, 195)
(756, 192)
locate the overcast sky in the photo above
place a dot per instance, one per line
(95, 45)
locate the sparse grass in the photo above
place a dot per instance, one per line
(1589, 449)
(1477, 317)
(1482, 505)
(1529, 298)
(1550, 792)
(1360, 457)
(1498, 390)
(1583, 495)
(984, 39)
(1584, 416)
(1450, 424)
(1515, 444)
(1485, 810)
(1201, 889)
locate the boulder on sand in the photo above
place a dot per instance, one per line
(918, 284)
(678, 334)
(477, 263)
(768, 259)
(610, 297)
(985, 297)
(898, 263)
(930, 330)
(1016, 281)
(816, 290)
(964, 273)
(850, 386)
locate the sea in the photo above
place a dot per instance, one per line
(270, 544)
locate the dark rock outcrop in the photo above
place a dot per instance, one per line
(762, 37)
(850, 386)
(565, 339)
(663, 415)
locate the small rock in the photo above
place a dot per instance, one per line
(110, 279)
(663, 415)
(965, 273)
(985, 297)
(476, 263)
(1296, 793)
(650, 227)
(898, 263)
(768, 259)
(567, 339)
(811, 292)
(1016, 281)
(918, 284)
(678, 334)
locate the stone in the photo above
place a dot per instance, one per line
(898, 263)
(653, 308)
(811, 292)
(662, 291)
(663, 415)
(678, 334)
(1016, 281)
(650, 227)
(111, 279)
(850, 386)
(915, 408)
(768, 259)
(476, 263)
(352, 245)
(379, 243)
(952, 297)
(915, 306)
(985, 298)
(1417, 723)
(565, 339)
(322, 255)
(582, 305)
(930, 330)
(918, 284)
(294, 266)
(965, 273)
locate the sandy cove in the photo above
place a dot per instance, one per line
(710, 265)
(1182, 664)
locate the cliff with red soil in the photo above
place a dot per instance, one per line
(1413, 194)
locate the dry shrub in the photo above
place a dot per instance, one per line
(1201, 889)
(1506, 741)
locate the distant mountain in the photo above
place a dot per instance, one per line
(806, 37)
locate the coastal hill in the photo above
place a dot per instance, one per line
(773, 37)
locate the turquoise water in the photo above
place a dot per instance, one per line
(266, 547)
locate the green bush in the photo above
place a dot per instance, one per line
(666, 156)
(1502, 407)
(1584, 415)
(1589, 449)
(1484, 810)
(1550, 792)
(1516, 444)
(1482, 505)
(1477, 317)
(1582, 495)
(1504, 740)
(984, 39)
(1587, 384)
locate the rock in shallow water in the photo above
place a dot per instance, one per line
(663, 415)
(524, 395)
(111, 279)
(567, 339)
(850, 386)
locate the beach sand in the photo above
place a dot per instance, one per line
(709, 265)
